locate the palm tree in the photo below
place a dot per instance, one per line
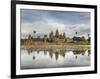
(88, 35)
(34, 31)
(89, 38)
(75, 37)
(76, 33)
(45, 36)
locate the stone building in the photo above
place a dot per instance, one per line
(54, 38)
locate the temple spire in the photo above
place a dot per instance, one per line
(57, 33)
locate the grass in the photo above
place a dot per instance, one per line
(65, 47)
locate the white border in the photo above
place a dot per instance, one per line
(51, 70)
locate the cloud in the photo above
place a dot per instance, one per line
(46, 21)
(44, 26)
(81, 29)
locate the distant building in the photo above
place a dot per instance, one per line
(53, 38)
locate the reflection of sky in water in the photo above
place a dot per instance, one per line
(31, 59)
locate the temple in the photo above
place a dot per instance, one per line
(51, 38)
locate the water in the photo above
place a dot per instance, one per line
(53, 58)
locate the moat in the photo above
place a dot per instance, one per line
(33, 58)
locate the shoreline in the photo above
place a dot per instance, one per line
(63, 47)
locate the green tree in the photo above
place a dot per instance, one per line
(34, 32)
(88, 38)
(76, 33)
(82, 38)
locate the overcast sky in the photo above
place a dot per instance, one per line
(45, 21)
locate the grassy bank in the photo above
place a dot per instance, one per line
(65, 47)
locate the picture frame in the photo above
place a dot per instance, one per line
(17, 71)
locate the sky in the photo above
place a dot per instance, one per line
(45, 21)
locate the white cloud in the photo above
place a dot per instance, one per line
(47, 24)
(44, 26)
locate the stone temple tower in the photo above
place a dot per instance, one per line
(57, 33)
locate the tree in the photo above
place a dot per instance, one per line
(75, 38)
(88, 38)
(34, 31)
(64, 35)
(45, 37)
(76, 33)
(88, 35)
(82, 38)
(79, 38)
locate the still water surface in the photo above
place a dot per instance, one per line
(53, 58)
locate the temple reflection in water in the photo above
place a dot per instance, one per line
(33, 58)
(57, 52)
